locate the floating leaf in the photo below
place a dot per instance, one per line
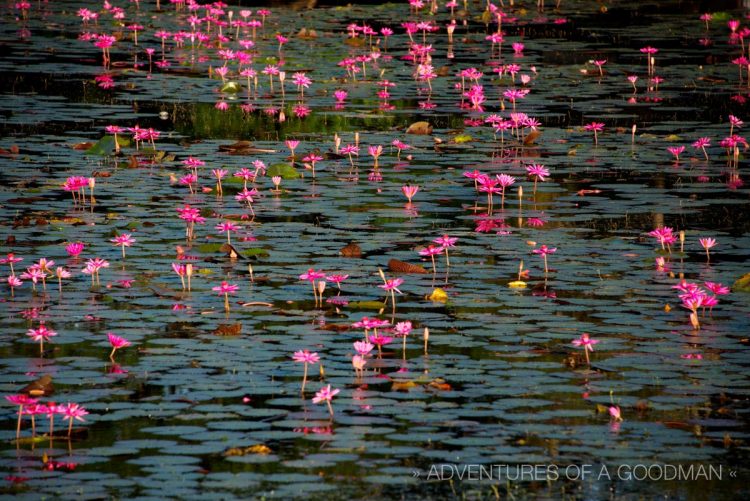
(366, 305)
(351, 250)
(420, 129)
(103, 147)
(243, 451)
(462, 138)
(286, 171)
(403, 385)
(228, 329)
(742, 284)
(397, 266)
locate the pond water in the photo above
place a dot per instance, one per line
(206, 402)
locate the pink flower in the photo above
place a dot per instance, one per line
(41, 334)
(446, 241)
(707, 243)
(74, 248)
(312, 275)
(21, 399)
(227, 227)
(306, 357)
(358, 362)
(392, 284)
(403, 328)
(325, 395)
(717, 288)
(117, 343)
(340, 95)
(363, 347)
(676, 150)
(538, 171)
(614, 412)
(226, 288)
(585, 341)
(409, 191)
(123, 240)
(430, 251)
(594, 127)
(71, 412)
(544, 250)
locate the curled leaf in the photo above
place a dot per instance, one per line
(397, 266)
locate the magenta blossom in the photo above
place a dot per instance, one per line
(305, 357)
(587, 343)
(117, 343)
(326, 395)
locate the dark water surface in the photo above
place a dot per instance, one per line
(500, 384)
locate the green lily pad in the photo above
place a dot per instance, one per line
(366, 305)
(742, 284)
(103, 147)
(286, 171)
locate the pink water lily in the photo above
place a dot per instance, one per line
(409, 190)
(21, 401)
(226, 289)
(587, 344)
(314, 276)
(227, 227)
(595, 127)
(326, 395)
(117, 343)
(305, 357)
(538, 171)
(446, 242)
(123, 240)
(40, 335)
(431, 251)
(707, 244)
(543, 251)
(676, 151)
(74, 249)
(72, 412)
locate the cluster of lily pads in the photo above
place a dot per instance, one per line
(242, 53)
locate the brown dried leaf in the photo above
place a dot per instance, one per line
(228, 329)
(420, 129)
(351, 250)
(397, 266)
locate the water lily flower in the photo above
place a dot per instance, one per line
(40, 335)
(306, 357)
(587, 343)
(72, 412)
(117, 343)
(594, 127)
(543, 251)
(226, 288)
(409, 190)
(326, 395)
(227, 227)
(707, 243)
(123, 240)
